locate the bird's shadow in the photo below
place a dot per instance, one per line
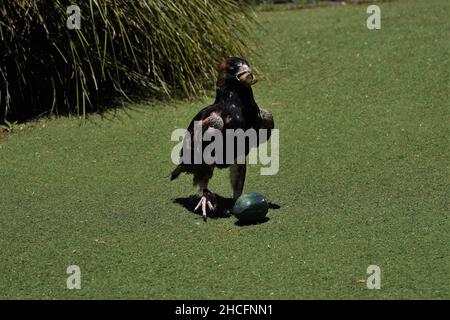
(222, 210)
(223, 206)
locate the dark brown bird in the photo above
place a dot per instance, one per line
(233, 108)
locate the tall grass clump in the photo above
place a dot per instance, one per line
(162, 47)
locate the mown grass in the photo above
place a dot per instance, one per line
(363, 119)
(305, 4)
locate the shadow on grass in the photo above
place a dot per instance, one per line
(223, 208)
(240, 223)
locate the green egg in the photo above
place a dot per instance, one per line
(250, 207)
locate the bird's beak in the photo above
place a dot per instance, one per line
(245, 75)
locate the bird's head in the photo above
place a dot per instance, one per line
(234, 70)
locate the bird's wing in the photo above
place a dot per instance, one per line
(266, 119)
(265, 122)
(210, 117)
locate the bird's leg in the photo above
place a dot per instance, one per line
(237, 177)
(201, 178)
(207, 199)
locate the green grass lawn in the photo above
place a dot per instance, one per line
(363, 179)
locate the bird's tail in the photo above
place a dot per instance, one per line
(175, 173)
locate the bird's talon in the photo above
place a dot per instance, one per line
(204, 201)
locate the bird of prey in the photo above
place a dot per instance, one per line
(233, 108)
